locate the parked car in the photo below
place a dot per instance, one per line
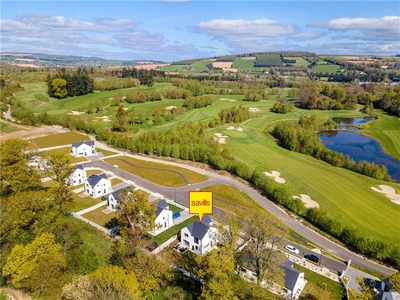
(176, 215)
(312, 257)
(292, 249)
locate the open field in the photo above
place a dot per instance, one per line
(173, 68)
(300, 62)
(156, 172)
(59, 139)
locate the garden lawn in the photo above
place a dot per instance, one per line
(345, 195)
(334, 288)
(99, 217)
(157, 172)
(83, 203)
(67, 151)
(170, 232)
(174, 208)
(115, 181)
(59, 139)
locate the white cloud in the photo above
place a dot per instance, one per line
(385, 28)
(306, 36)
(242, 35)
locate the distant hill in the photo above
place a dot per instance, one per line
(40, 60)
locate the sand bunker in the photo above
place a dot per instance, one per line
(75, 113)
(104, 118)
(308, 202)
(233, 128)
(226, 99)
(170, 107)
(220, 138)
(253, 109)
(389, 192)
(276, 175)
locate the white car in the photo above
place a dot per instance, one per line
(292, 249)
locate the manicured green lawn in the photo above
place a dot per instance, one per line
(334, 288)
(160, 173)
(174, 208)
(170, 232)
(83, 203)
(60, 139)
(92, 172)
(386, 129)
(97, 216)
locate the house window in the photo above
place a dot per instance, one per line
(186, 235)
(196, 240)
(196, 247)
(186, 242)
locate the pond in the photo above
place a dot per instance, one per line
(360, 147)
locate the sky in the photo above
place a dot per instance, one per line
(173, 30)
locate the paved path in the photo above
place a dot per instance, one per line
(181, 195)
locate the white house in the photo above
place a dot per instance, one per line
(294, 280)
(78, 176)
(86, 148)
(113, 198)
(386, 292)
(163, 217)
(199, 237)
(97, 185)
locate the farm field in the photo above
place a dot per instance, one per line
(300, 62)
(325, 68)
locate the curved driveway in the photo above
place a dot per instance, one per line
(181, 195)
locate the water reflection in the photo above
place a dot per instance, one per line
(360, 147)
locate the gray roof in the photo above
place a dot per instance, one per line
(291, 276)
(198, 230)
(116, 193)
(94, 179)
(206, 220)
(161, 205)
(77, 144)
(80, 167)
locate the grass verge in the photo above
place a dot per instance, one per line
(159, 173)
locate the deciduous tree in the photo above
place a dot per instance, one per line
(135, 215)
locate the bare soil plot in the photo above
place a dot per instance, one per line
(222, 64)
